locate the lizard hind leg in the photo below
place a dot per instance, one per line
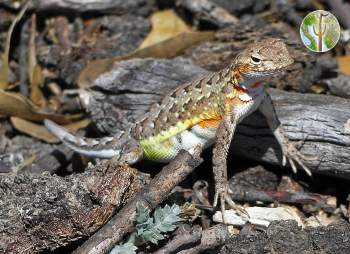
(105, 148)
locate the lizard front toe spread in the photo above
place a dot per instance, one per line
(202, 113)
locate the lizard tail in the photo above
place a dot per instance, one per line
(100, 148)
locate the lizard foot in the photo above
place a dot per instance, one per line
(293, 155)
(222, 192)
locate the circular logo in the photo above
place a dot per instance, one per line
(320, 31)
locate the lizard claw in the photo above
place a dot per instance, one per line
(222, 193)
(293, 155)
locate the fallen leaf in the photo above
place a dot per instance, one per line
(36, 95)
(40, 132)
(4, 71)
(32, 62)
(35, 73)
(94, 69)
(165, 24)
(318, 88)
(169, 37)
(173, 46)
(344, 64)
(34, 130)
(14, 104)
(165, 49)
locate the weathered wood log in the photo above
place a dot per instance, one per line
(79, 6)
(320, 120)
(44, 212)
(205, 11)
(131, 86)
(340, 85)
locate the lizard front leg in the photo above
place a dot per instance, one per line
(290, 152)
(224, 136)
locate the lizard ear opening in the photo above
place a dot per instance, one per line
(255, 60)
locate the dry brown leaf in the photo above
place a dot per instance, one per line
(35, 73)
(36, 95)
(173, 46)
(4, 71)
(14, 104)
(169, 37)
(32, 62)
(34, 130)
(40, 132)
(344, 64)
(165, 49)
(165, 24)
(94, 69)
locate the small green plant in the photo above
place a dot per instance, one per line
(150, 229)
(126, 248)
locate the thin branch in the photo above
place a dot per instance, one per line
(153, 194)
(184, 237)
(211, 238)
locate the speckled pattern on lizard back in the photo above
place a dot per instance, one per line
(201, 102)
(201, 113)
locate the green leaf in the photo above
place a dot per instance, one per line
(153, 235)
(126, 248)
(166, 218)
(152, 229)
(142, 213)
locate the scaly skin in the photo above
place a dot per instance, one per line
(201, 113)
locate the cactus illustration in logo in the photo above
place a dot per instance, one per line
(320, 31)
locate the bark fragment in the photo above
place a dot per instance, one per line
(45, 212)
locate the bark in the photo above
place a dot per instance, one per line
(131, 86)
(340, 85)
(212, 238)
(287, 237)
(152, 195)
(41, 212)
(205, 11)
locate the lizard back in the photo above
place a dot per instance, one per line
(200, 102)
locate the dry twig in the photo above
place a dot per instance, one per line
(153, 194)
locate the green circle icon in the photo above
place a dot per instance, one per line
(320, 31)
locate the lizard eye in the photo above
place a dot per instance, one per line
(255, 60)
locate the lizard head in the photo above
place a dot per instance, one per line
(263, 59)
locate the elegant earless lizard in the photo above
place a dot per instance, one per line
(202, 113)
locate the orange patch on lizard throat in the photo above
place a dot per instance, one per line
(258, 83)
(210, 123)
(255, 85)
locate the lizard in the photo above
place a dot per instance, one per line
(202, 113)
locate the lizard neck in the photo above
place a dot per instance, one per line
(241, 82)
(251, 84)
